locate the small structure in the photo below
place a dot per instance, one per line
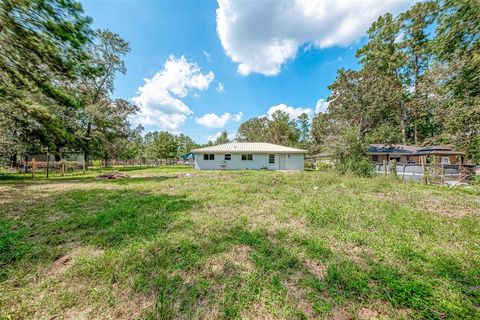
(404, 154)
(188, 157)
(249, 155)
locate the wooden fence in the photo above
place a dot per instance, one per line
(63, 167)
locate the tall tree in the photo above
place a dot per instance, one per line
(457, 47)
(303, 124)
(46, 33)
(161, 145)
(253, 130)
(112, 128)
(42, 50)
(222, 138)
(383, 55)
(185, 144)
(282, 130)
(106, 54)
(418, 50)
(321, 129)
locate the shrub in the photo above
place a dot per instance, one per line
(350, 154)
(323, 166)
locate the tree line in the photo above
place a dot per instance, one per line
(418, 83)
(56, 80)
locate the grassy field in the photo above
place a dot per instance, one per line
(177, 243)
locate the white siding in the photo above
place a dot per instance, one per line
(260, 161)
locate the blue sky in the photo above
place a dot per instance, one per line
(263, 54)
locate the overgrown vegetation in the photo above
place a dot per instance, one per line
(170, 243)
(417, 84)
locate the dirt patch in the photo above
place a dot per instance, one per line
(357, 253)
(64, 262)
(316, 268)
(113, 175)
(128, 305)
(381, 310)
(339, 313)
(429, 203)
(367, 314)
(443, 208)
(237, 259)
(257, 312)
(299, 295)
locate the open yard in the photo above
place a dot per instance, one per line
(177, 243)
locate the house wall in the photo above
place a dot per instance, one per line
(260, 161)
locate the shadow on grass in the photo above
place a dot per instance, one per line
(21, 176)
(24, 183)
(103, 218)
(175, 262)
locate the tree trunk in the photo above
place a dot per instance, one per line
(13, 160)
(87, 145)
(402, 125)
(106, 159)
(415, 100)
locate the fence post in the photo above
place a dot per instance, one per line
(34, 166)
(62, 167)
(48, 162)
(423, 161)
(393, 167)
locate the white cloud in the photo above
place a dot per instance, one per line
(231, 136)
(321, 106)
(207, 56)
(220, 88)
(159, 98)
(211, 120)
(293, 112)
(262, 35)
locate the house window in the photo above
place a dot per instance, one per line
(247, 156)
(228, 157)
(445, 160)
(271, 158)
(375, 157)
(210, 156)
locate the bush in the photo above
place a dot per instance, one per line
(323, 166)
(350, 154)
(359, 167)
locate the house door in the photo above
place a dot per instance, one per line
(282, 162)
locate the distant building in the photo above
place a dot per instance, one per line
(404, 154)
(249, 155)
(187, 157)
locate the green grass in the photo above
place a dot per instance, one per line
(249, 244)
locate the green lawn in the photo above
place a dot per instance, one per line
(177, 243)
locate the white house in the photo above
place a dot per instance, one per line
(249, 155)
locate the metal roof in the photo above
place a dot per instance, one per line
(391, 148)
(410, 150)
(250, 147)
